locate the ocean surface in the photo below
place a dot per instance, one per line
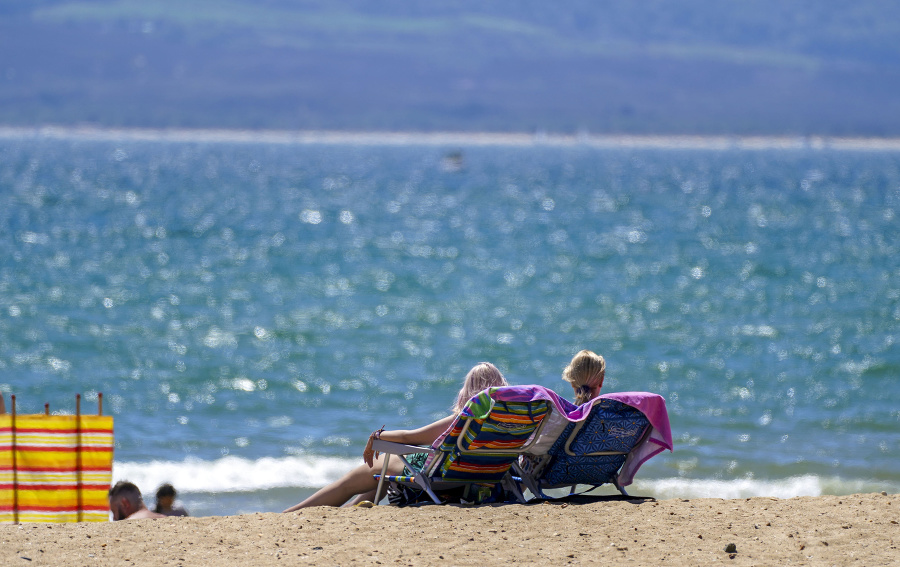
(251, 310)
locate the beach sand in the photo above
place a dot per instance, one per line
(829, 530)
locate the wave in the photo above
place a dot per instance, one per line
(804, 485)
(236, 474)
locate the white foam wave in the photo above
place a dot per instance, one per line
(235, 474)
(804, 485)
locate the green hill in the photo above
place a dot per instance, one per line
(703, 67)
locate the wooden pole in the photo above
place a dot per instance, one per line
(47, 408)
(14, 468)
(100, 403)
(78, 479)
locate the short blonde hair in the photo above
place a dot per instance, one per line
(482, 375)
(585, 373)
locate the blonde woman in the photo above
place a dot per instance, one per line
(585, 374)
(359, 484)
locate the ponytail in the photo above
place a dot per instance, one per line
(585, 373)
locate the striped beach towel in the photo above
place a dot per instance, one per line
(506, 427)
(55, 468)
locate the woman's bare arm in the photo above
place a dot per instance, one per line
(421, 436)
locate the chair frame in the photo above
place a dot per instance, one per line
(425, 480)
(533, 484)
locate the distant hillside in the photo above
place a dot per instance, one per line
(700, 67)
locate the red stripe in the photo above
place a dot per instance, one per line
(44, 448)
(70, 432)
(61, 509)
(55, 470)
(84, 450)
(67, 431)
(56, 488)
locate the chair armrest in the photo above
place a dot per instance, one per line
(383, 446)
(389, 448)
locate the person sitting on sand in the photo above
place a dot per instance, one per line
(165, 502)
(360, 485)
(585, 373)
(126, 503)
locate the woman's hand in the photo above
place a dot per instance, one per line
(369, 454)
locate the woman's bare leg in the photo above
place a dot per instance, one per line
(357, 481)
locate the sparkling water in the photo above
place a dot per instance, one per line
(251, 311)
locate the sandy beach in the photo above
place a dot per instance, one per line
(859, 529)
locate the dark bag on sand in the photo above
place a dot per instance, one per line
(401, 495)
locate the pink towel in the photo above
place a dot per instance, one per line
(660, 438)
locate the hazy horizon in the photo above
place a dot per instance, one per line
(703, 68)
(450, 139)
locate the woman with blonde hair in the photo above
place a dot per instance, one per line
(360, 485)
(585, 373)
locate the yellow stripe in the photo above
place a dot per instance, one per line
(61, 498)
(30, 517)
(69, 477)
(58, 422)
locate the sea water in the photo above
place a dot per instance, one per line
(251, 311)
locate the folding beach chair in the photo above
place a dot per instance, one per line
(605, 442)
(476, 452)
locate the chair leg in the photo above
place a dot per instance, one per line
(426, 486)
(527, 480)
(384, 466)
(510, 484)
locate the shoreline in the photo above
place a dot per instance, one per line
(449, 139)
(859, 529)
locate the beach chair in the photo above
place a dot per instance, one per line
(605, 441)
(475, 454)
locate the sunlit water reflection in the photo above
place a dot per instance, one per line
(276, 301)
